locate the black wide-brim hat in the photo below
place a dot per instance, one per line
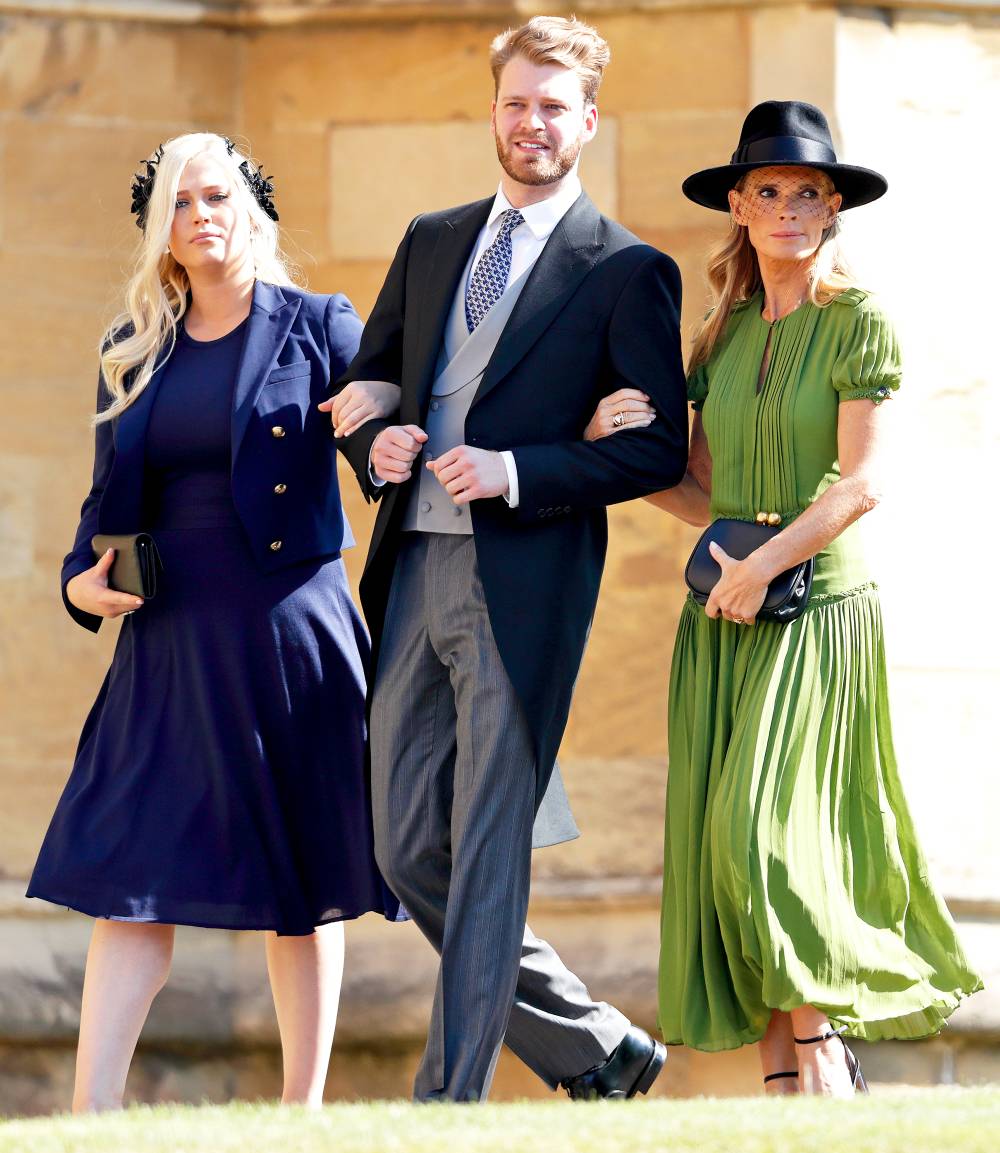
(785, 132)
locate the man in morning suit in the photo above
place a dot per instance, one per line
(504, 322)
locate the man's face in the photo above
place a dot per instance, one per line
(540, 121)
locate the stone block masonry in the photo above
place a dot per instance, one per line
(368, 113)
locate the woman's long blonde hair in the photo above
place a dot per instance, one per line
(156, 292)
(734, 276)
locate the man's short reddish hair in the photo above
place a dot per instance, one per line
(555, 40)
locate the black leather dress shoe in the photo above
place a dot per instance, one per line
(632, 1068)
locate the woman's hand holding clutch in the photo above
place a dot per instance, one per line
(740, 590)
(88, 591)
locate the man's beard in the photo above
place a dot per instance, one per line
(546, 169)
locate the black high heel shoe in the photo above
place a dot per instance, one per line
(853, 1064)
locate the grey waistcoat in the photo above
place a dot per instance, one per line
(460, 366)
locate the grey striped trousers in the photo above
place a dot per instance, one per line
(453, 792)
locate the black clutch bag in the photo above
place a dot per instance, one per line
(787, 595)
(136, 566)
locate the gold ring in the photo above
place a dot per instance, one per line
(618, 419)
(738, 621)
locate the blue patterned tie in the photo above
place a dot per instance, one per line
(490, 276)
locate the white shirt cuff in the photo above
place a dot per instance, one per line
(376, 480)
(513, 497)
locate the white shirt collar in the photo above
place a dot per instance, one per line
(542, 217)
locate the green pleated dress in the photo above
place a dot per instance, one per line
(792, 872)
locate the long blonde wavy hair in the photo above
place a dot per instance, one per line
(734, 276)
(156, 294)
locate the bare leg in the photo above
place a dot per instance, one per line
(822, 1066)
(305, 977)
(127, 965)
(777, 1055)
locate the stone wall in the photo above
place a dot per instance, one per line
(368, 114)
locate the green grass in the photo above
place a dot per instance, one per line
(913, 1121)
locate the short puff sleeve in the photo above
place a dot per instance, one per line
(869, 362)
(697, 388)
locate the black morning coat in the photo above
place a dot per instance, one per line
(600, 311)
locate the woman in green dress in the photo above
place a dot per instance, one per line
(796, 901)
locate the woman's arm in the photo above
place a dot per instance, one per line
(688, 500)
(85, 584)
(88, 592)
(359, 402)
(740, 592)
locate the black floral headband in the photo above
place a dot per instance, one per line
(260, 185)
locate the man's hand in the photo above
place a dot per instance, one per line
(470, 473)
(359, 402)
(394, 451)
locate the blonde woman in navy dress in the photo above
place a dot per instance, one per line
(219, 779)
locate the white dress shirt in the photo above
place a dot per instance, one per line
(526, 243)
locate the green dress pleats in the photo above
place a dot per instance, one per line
(792, 872)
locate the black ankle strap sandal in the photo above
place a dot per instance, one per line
(777, 1076)
(853, 1064)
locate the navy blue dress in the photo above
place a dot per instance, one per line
(219, 779)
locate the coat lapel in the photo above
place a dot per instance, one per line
(271, 317)
(471, 359)
(571, 252)
(454, 242)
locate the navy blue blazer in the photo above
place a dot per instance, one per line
(296, 343)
